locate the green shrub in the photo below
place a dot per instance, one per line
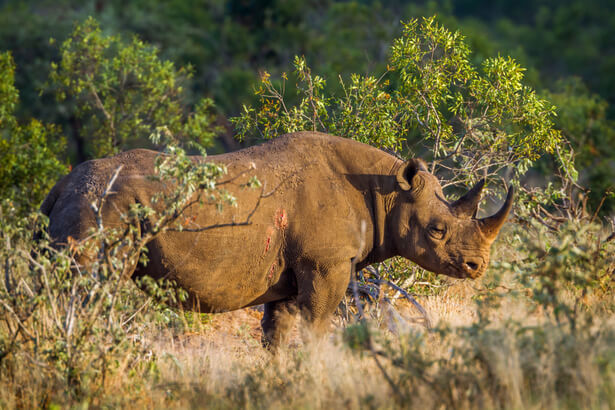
(29, 164)
(470, 123)
(121, 93)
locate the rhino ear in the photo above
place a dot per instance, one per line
(408, 171)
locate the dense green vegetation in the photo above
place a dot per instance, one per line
(229, 42)
(224, 45)
(30, 151)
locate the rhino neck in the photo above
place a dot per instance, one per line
(383, 194)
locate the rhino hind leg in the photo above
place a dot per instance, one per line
(278, 320)
(320, 292)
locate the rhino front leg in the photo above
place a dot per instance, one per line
(278, 320)
(321, 290)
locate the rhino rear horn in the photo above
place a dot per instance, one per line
(467, 205)
(491, 225)
(408, 171)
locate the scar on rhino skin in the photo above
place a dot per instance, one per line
(270, 233)
(271, 270)
(281, 220)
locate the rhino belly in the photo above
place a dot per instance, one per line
(222, 269)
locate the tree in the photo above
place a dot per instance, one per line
(123, 93)
(470, 123)
(29, 164)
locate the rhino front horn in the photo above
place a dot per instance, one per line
(491, 225)
(467, 205)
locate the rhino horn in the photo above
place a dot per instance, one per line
(491, 225)
(467, 205)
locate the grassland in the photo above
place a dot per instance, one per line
(537, 331)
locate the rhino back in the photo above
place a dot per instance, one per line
(315, 191)
(68, 205)
(313, 197)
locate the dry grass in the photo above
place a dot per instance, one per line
(491, 346)
(233, 371)
(222, 365)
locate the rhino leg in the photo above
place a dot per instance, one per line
(321, 290)
(277, 322)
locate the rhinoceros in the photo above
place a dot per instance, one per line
(303, 237)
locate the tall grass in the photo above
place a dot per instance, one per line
(536, 332)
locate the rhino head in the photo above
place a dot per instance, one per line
(441, 236)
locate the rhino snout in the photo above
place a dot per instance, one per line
(472, 267)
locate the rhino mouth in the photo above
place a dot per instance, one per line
(458, 272)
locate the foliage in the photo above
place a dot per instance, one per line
(123, 92)
(582, 117)
(564, 270)
(565, 279)
(73, 325)
(480, 122)
(472, 123)
(28, 152)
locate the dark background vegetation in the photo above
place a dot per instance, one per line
(566, 46)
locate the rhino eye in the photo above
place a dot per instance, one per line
(437, 231)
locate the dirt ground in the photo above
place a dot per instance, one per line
(241, 329)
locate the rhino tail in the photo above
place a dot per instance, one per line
(52, 197)
(48, 204)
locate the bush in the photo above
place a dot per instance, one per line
(470, 123)
(28, 152)
(121, 93)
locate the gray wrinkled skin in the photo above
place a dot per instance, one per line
(297, 251)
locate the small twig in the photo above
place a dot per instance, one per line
(542, 221)
(568, 176)
(245, 222)
(97, 207)
(239, 174)
(410, 298)
(100, 105)
(598, 209)
(553, 217)
(7, 276)
(143, 306)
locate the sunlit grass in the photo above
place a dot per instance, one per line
(494, 343)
